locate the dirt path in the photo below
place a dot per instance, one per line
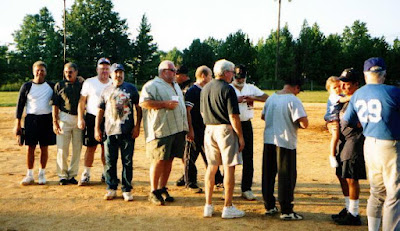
(54, 207)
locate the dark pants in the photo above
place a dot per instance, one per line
(247, 153)
(282, 161)
(111, 146)
(190, 161)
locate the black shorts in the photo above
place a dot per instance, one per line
(88, 133)
(39, 129)
(353, 168)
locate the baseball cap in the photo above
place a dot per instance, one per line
(103, 60)
(377, 62)
(182, 70)
(349, 75)
(117, 66)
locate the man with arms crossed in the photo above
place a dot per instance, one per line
(65, 123)
(377, 107)
(223, 137)
(283, 114)
(165, 127)
(247, 94)
(90, 99)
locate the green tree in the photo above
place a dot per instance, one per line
(3, 64)
(174, 55)
(94, 30)
(198, 53)
(238, 49)
(38, 40)
(215, 44)
(393, 63)
(332, 56)
(266, 59)
(146, 56)
(309, 53)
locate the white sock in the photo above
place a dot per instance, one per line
(353, 207)
(29, 172)
(347, 201)
(374, 223)
(87, 170)
(42, 171)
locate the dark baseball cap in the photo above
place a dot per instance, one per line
(349, 75)
(182, 70)
(376, 62)
(117, 66)
(103, 61)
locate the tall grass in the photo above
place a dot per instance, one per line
(8, 99)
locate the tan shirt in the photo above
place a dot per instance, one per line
(158, 123)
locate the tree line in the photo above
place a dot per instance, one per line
(94, 30)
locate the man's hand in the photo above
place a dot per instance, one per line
(135, 132)
(241, 99)
(81, 124)
(98, 135)
(190, 135)
(170, 104)
(241, 143)
(56, 127)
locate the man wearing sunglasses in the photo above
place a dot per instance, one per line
(247, 94)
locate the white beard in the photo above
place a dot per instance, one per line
(239, 84)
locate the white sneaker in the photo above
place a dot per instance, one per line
(271, 212)
(248, 195)
(85, 179)
(27, 180)
(208, 210)
(333, 162)
(111, 194)
(42, 178)
(291, 216)
(127, 196)
(231, 212)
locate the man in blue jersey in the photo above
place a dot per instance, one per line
(377, 107)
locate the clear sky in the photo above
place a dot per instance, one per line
(175, 23)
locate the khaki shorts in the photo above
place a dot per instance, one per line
(166, 148)
(222, 145)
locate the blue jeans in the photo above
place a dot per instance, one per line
(125, 143)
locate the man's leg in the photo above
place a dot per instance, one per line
(167, 166)
(209, 181)
(156, 169)
(191, 168)
(111, 155)
(76, 152)
(354, 193)
(287, 175)
(44, 156)
(126, 157)
(248, 168)
(269, 170)
(63, 140)
(30, 156)
(229, 184)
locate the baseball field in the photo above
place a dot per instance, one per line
(54, 207)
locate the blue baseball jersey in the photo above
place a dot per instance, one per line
(377, 107)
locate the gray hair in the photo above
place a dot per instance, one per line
(164, 65)
(222, 65)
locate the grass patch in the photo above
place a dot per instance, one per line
(9, 99)
(308, 96)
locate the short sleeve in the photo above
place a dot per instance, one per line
(256, 91)
(147, 92)
(233, 106)
(85, 89)
(190, 97)
(297, 109)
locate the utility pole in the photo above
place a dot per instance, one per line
(65, 34)
(277, 43)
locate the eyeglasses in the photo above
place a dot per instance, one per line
(238, 76)
(173, 70)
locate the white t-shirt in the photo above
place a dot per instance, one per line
(92, 89)
(247, 110)
(281, 112)
(38, 100)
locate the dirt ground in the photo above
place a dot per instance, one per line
(54, 207)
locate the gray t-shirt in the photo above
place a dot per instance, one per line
(281, 112)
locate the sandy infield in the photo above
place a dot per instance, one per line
(54, 207)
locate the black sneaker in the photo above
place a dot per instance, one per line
(349, 219)
(195, 188)
(63, 182)
(340, 214)
(72, 181)
(165, 195)
(156, 198)
(181, 181)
